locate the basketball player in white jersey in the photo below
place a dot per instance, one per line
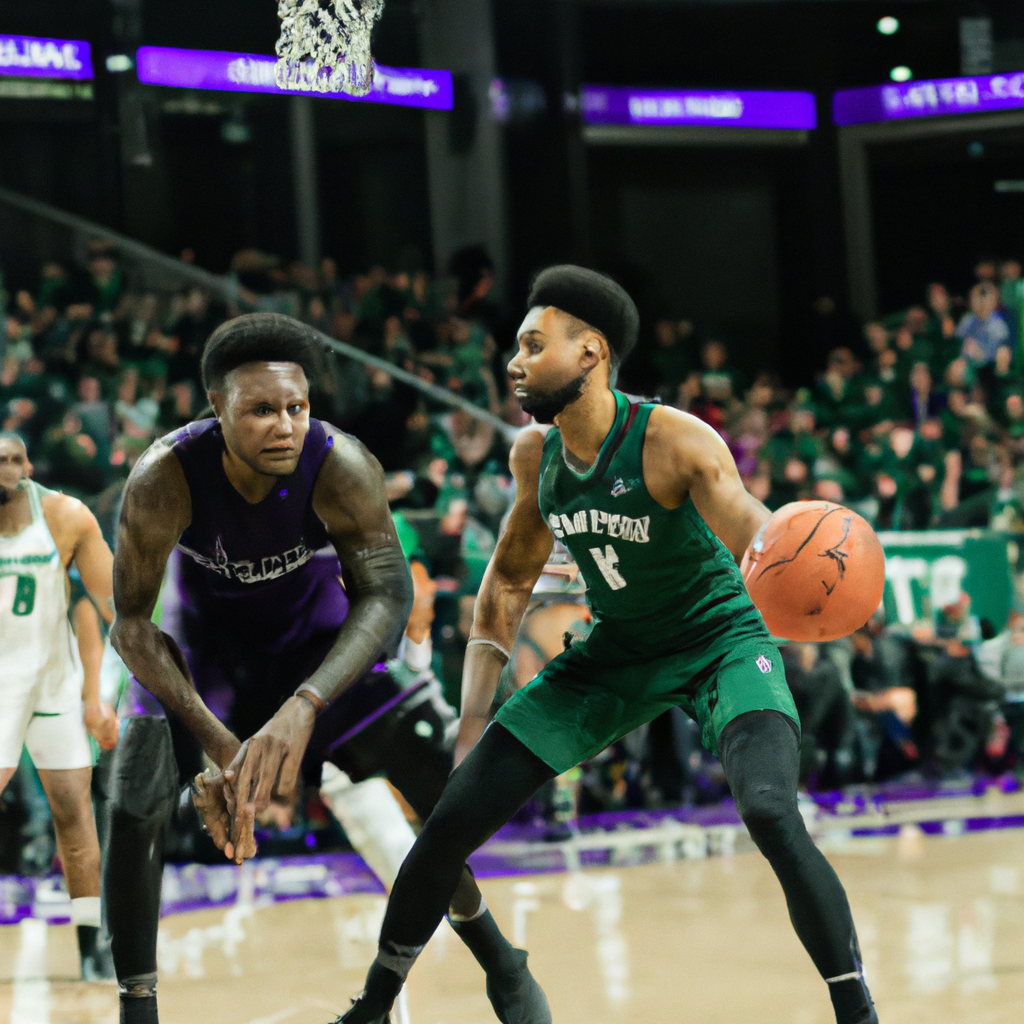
(41, 677)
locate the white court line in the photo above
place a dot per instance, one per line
(280, 1015)
(401, 1007)
(31, 1001)
(306, 1004)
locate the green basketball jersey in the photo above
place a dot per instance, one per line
(658, 580)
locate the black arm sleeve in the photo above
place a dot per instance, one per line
(379, 588)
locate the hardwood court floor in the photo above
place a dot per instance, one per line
(941, 924)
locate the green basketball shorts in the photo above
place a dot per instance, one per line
(589, 696)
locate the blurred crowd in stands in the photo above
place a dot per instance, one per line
(920, 426)
(923, 426)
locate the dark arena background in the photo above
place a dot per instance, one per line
(818, 209)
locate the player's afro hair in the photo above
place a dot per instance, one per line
(258, 338)
(597, 300)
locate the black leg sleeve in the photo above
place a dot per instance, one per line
(419, 767)
(143, 791)
(761, 757)
(498, 776)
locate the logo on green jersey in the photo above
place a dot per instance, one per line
(763, 664)
(621, 487)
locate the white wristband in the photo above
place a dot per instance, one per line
(489, 643)
(417, 656)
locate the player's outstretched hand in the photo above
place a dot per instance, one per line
(103, 725)
(266, 765)
(208, 794)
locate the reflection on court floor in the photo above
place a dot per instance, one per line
(941, 922)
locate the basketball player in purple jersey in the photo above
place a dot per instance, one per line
(280, 640)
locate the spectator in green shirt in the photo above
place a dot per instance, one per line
(1011, 295)
(101, 360)
(941, 330)
(980, 466)
(909, 349)
(1013, 421)
(105, 277)
(904, 499)
(837, 463)
(881, 407)
(838, 392)
(789, 456)
(1000, 380)
(670, 359)
(70, 460)
(926, 468)
(53, 287)
(717, 379)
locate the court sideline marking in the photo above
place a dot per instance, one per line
(31, 1001)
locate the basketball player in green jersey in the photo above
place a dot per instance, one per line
(650, 504)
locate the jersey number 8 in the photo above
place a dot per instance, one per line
(24, 595)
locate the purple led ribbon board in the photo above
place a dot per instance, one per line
(31, 57)
(251, 72)
(604, 104)
(928, 98)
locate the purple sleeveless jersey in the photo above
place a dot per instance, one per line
(257, 574)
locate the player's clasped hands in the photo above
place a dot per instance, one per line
(214, 797)
(210, 797)
(265, 767)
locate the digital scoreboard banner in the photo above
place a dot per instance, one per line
(250, 72)
(605, 104)
(32, 57)
(928, 98)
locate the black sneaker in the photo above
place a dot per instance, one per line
(517, 998)
(98, 965)
(94, 954)
(360, 1013)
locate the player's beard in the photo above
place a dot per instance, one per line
(5, 495)
(545, 407)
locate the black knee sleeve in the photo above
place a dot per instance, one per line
(774, 828)
(142, 794)
(101, 780)
(761, 756)
(144, 777)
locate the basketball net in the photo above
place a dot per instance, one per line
(325, 45)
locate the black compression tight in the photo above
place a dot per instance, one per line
(497, 777)
(761, 756)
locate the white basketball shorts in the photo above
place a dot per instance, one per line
(56, 741)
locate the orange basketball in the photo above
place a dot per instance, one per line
(815, 571)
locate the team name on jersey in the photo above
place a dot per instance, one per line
(28, 560)
(607, 524)
(270, 568)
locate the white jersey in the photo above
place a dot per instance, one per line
(40, 669)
